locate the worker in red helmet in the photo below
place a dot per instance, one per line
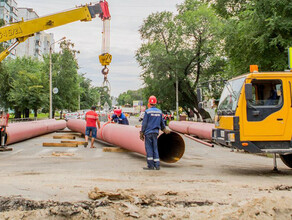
(152, 123)
(114, 117)
(119, 117)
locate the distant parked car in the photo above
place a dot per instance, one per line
(141, 116)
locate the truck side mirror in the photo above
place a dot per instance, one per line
(248, 91)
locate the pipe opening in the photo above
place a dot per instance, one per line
(171, 147)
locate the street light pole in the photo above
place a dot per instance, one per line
(51, 95)
(176, 94)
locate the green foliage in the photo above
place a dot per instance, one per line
(92, 95)
(229, 8)
(23, 84)
(130, 96)
(261, 35)
(64, 76)
(183, 46)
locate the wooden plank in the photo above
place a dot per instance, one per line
(77, 142)
(60, 145)
(69, 132)
(5, 149)
(78, 134)
(64, 137)
(65, 131)
(115, 149)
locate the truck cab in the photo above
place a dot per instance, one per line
(255, 114)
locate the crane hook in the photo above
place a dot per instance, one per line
(105, 71)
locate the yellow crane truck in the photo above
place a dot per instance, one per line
(22, 30)
(255, 114)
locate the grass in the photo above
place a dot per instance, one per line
(40, 115)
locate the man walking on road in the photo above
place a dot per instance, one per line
(152, 123)
(91, 118)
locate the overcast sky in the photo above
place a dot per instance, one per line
(127, 17)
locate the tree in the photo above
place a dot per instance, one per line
(87, 95)
(104, 95)
(65, 77)
(25, 88)
(261, 35)
(130, 96)
(4, 77)
(182, 47)
(229, 8)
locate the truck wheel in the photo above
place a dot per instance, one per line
(287, 160)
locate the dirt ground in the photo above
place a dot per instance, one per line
(80, 183)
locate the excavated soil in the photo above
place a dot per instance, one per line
(130, 204)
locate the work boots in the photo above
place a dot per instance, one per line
(151, 168)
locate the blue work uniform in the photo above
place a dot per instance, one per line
(122, 119)
(115, 118)
(152, 123)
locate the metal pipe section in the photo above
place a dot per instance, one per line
(199, 129)
(171, 147)
(25, 130)
(199, 140)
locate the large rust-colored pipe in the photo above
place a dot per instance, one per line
(24, 130)
(171, 147)
(199, 129)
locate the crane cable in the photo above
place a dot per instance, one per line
(105, 58)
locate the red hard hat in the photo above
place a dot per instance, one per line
(152, 100)
(118, 111)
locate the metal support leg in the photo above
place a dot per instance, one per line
(2, 133)
(275, 163)
(2, 140)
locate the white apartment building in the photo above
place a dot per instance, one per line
(35, 46)
(8, 12)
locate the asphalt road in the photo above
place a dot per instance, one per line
(35, 172)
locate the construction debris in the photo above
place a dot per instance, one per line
(60, 154)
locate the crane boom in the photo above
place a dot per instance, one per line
(23, 29)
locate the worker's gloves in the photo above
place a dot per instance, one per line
(141, 136)
(166, 131)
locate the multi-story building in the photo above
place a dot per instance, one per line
(8, 12)
(35, 46)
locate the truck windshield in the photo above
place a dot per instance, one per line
(229, 96)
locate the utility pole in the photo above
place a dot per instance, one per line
(51, 95)
(177, 116)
